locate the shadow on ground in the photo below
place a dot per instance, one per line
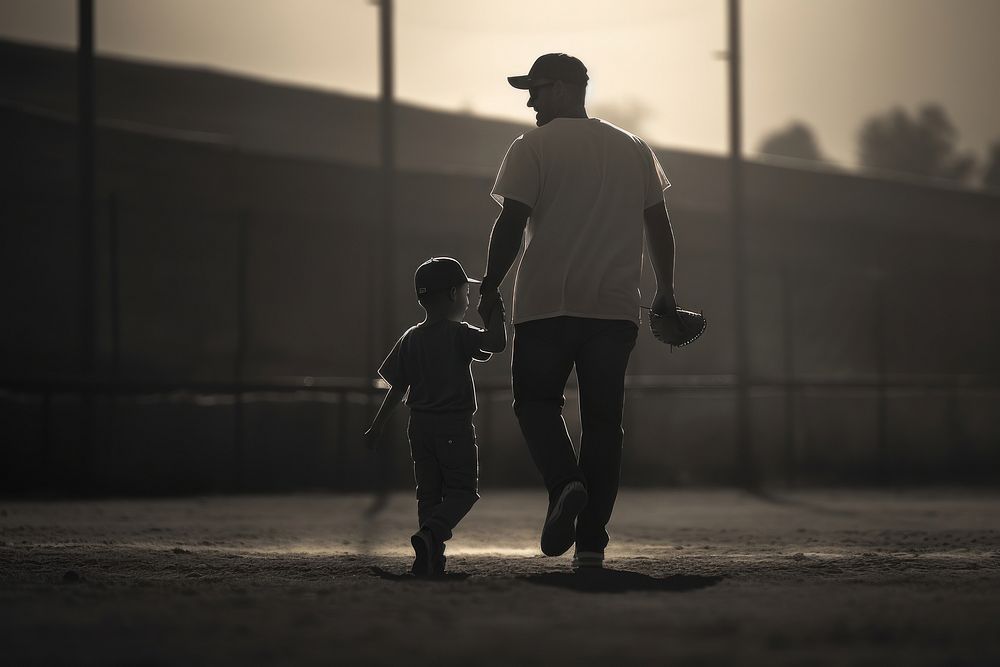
(585, 581)
(620, 581)
(392, 576)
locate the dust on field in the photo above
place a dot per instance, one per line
(707, 577)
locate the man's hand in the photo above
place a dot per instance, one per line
(489, 298)
(498, 315)
(372, 436)
(663, 319)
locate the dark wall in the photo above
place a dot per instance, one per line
(885, 284)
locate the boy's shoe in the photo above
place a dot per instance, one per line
(559, 531)
(588, 559)
(424, 552)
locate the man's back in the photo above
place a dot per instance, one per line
(587, 183)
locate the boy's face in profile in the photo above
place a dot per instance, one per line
(449, 305)
(461, 302)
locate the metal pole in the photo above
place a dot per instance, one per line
(387, 262)
(387, 145)
(881, 363)
(115, 287)
(239, 359)
(788, 338)
(85, 203)
(747, 473)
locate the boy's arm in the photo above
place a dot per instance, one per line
(391, 401)
(495, 336)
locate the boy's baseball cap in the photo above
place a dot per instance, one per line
(552, 67)
(440, 273)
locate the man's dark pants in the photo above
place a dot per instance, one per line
(445, 467)
(545, 351)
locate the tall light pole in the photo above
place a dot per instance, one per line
(86, 183)
(87, 297)
(746, 465)
(387, 150)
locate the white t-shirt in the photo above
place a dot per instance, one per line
(587, 183)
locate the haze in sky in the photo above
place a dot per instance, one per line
(655, 65)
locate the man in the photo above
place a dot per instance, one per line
(580, 192)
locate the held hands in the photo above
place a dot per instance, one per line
(489, 298)
(498, 315)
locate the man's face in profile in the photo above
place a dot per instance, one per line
(542, 100)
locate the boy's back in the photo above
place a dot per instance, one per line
(433, 360)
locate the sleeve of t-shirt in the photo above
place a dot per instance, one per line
(656, 180)
(472, 340)
(393, 370)
(519, 175)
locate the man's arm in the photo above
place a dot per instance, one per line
(663, 319)
(505, 243)
(391, 401)
(660, 245)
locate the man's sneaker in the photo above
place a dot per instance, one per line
(588, 559)
(423, 552)
(559, 531)
(440, 560)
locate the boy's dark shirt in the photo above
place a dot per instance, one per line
(433, 360)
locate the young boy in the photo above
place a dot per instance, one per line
(433, 361)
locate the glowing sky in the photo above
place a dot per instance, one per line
(830, 63)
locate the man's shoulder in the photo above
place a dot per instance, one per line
(530, 138)
(611, 128)
(554, 131)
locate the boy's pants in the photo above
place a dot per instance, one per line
(545, 352)
(445, 467)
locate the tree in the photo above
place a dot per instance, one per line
(796, 140)
(991, 179)
(924, 144)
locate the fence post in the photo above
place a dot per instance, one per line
(791, 390)
(86, 175)
(114, 301)
(114, 286)
(240, 356)
(343, 431)
(882, 407)
(46, 429)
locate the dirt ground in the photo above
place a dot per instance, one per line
(694, 577)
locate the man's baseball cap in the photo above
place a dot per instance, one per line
(439, 273)
(552, 67)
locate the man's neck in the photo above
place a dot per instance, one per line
(579, 112)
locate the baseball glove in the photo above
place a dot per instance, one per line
(686, 327)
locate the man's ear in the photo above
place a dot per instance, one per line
(453, 294)
(558, 89)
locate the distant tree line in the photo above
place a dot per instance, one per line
(924, 143)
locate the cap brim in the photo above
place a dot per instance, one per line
(477, 282)
(520, 82)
